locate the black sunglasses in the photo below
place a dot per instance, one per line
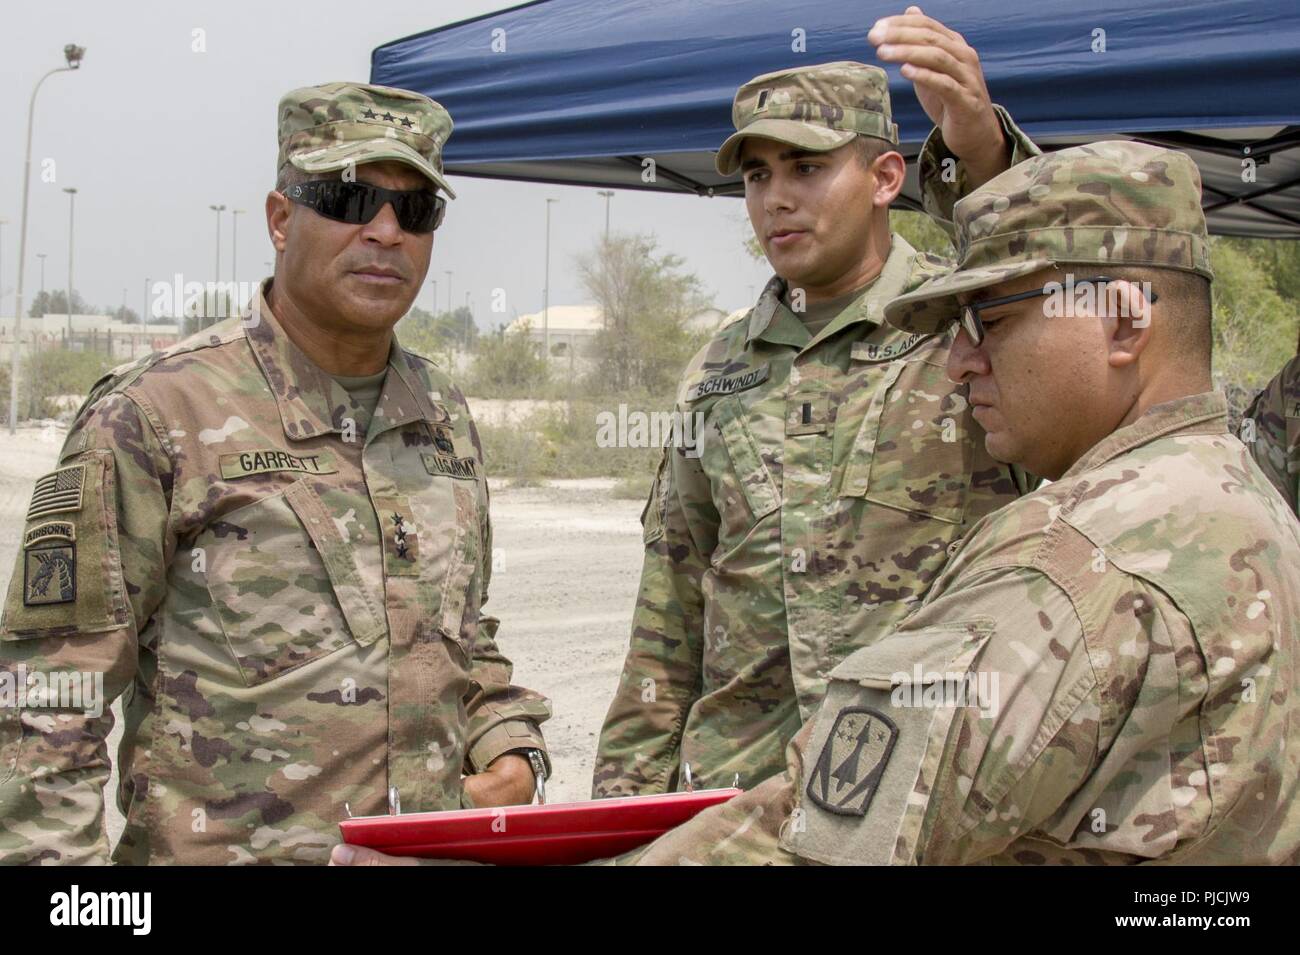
(970, 314)
(417, 210)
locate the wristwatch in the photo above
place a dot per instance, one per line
(538, 762)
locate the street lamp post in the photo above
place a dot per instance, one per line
(608, 194)
(546, 292)
(3, 223)
(144, 305)
(72, 208)
(41, 256)
(234, 247)
(469, 320)
(216, 266)
(73, 54)
(448, 273)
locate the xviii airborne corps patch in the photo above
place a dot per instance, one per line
(848, 771)
(50, 564)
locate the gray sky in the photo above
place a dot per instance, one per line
(151, 133)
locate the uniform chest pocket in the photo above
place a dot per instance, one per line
(448, 518)
(912, 450)
(742, 486)
(284, 584)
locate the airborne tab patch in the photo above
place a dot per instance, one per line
(58, 491)
(444, 465)
(50, 564)
(244, 463)
(728, 384)
(852, 761)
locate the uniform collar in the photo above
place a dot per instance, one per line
(311, 402)
(770, 320)
(1206, 413)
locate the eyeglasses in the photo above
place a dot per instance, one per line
(970, 314)
(417, 210)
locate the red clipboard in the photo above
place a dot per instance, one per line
(556, 834)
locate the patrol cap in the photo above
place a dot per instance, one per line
(330, 127)
(1108, 203)
(818, 108)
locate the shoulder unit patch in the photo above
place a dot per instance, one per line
(852, 761)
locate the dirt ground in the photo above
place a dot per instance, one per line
(568, 559)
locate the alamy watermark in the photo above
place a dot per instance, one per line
(1089, 297)
(649, 429)
(21, 688)
(210, 300)
(926, 689)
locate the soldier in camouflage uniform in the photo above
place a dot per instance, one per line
(1105, 672)
(835, 464)
(1271, 429)
(273, 538)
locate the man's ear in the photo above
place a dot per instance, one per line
(277, 219)
(1127, 316)
(890, 169)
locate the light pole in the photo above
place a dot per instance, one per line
(608, 194)
(3, 223)
(434, 283)
(72, 208)
(144, 305)
(216, 268)
(546, 292)
(469, 320)
(41, 256)
(234, 246)
(448, 273)
(73, 54)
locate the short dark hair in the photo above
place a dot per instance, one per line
(290, 175)
(869, 149)
(1184, 296)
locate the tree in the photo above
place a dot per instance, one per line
(1254, 326)
(126, 316)
(507, 364)
(645, 299)
(56, 303)
(424, 332)
(55, 371)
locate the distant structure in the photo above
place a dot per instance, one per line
(574, 326)
(98, 333)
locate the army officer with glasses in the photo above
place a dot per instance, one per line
(273, 541)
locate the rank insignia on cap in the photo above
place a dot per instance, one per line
(761, 103)
(50, 564)
(848, 771)
(58, 491)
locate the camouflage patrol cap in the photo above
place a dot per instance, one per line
(330, 127)
(1107, 203)
(818, 108)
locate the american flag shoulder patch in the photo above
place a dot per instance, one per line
(58, 491)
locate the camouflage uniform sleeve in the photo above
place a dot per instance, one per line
(745, 830)
(502, 717)
(943, 176)
(90, 572)
(1273, 420)
(973, 724)
(640, 742)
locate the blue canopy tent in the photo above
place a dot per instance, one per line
(584, 91)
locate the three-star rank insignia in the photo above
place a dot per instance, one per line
(848, 771)
(50, 564)
(401, 537)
